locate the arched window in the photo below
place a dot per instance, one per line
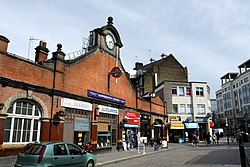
(22, 123)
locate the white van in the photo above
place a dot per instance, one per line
(218, 130)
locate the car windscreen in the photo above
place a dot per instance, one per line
(34, 149)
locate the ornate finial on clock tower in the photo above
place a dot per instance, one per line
(110, 20)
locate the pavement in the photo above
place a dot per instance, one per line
(115, 156)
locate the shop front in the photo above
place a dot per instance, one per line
(77, 121)
(157, 128)
(203, 126)
(130, 129)
(145, 128)
(107, 128)
(190, 129)
(176, 129)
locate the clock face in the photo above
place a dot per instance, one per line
(110, 41)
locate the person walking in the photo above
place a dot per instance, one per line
(208, 137)
(195, 140)
(217, 138)
(158, 142)
(214, 138)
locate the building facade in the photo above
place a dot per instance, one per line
(233, 99)
(188, 103)
(88, 98)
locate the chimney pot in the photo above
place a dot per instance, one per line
(3, 43)
(41, 52)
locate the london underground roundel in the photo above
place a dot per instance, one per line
(116, 72)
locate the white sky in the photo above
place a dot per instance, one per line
(210, 37)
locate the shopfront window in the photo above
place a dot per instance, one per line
(104, 139)
(22, 123)
(107, 130)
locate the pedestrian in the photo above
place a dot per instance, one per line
(157, 143)
(159, 139)
(208, 137)
(214, 138)
(217, 138)
(195, 140)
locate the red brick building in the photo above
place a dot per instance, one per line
(89, 98)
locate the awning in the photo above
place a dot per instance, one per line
(192, 125)
(177, 126)
(130, 126)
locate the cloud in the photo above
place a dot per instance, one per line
(210, 37)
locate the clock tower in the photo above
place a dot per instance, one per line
(106, 38)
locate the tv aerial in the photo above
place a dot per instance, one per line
(31, 39)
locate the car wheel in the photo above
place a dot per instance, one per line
(90, 164)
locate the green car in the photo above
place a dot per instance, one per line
(53, 154)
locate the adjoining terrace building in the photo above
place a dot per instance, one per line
(88, 98)
(233, 99)
(188, 103)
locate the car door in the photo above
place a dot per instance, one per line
(77, 158)
(61, 156)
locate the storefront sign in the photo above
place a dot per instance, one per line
(175, 118)
(81, 124)
(132, 117)
(192, 125)
(177, 126)
(108, 110)
(201, 119)
(130, 126)
(71, 103)
(98, 95)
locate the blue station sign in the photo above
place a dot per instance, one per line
(102, 96)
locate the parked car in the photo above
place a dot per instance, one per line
(52, 154)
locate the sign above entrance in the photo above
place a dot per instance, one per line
(174, 118)
(81, 124)
(108, 110)
(192, 125)
(71, 103)
(98, 95)
(132, 117)
(177, 126)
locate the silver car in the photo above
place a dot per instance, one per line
(53, 154)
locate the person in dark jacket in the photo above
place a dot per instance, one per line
(208, 138)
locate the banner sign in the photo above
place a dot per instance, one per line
(98, 95)
(175, 118)
(108, 110)
(71, 103)
(132, 117)
(81, 124)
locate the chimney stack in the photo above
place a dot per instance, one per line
(3, 43)
(163, 55)
(41, 52)
(138, 66)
